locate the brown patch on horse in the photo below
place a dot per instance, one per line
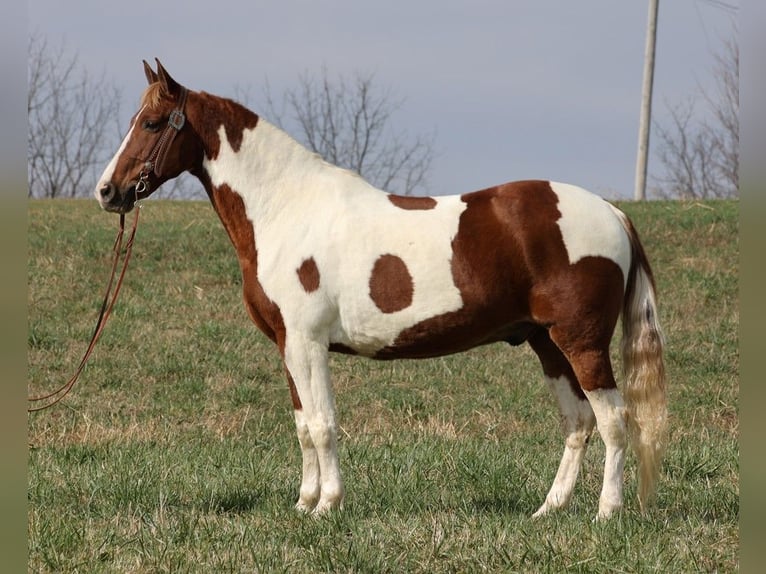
(297, 405)
(490, 269)
(210, 113)
(391, 285)
(594, 288)
(341, 348)
(207, 114)
(308, 275)
(408, 202)
(262, 310)
(553, 361)
(508, 240)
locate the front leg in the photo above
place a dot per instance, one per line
(310, 488)
(322, 485)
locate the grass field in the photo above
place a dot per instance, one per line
(176, 450)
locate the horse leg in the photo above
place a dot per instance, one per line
(577, 420)
(310, 487)
(611, 417)
(321, 484)
(593, 369)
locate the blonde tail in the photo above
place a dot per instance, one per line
(643, 370)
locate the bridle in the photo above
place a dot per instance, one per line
(154, 163)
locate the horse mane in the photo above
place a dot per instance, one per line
(152, 96)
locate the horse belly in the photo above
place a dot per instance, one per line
(439, 345)
(366, 329)
(438, 333)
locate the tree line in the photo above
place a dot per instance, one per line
(74, 128)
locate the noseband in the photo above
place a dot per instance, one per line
(156, 159)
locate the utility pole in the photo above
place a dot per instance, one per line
(646, 103)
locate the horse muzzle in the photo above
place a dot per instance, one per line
(114, 200)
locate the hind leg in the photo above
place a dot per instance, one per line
(593, 369)
(577, 420)
(582, 306)
(611, 417)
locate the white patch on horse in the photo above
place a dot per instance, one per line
(300, 208)
(106, 177)
(591, 227)
(611, 418)
(577, 421)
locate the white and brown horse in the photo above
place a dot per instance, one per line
(330, 263)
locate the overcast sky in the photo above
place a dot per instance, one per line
(511, 90)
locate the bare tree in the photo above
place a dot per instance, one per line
(724, 105)
(349, 124)
(700, 159)
(73, 123)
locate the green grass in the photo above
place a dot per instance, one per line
(176, 450)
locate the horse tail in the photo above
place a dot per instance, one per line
(643, 369)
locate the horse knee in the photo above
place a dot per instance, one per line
(304, 435)
(577, 418)
(323, 434)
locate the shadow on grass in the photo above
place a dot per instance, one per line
(236, 502)
(503, 506)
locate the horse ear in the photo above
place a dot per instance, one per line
(151, 75)
(169, 85)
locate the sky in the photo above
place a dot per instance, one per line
(510, 90)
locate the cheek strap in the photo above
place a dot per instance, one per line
(156, 160)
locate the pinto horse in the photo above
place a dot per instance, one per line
(330, 263)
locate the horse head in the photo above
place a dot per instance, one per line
(160, 145)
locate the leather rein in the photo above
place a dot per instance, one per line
(106, 309)
(154, 163)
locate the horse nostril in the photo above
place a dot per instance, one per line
(107, 192)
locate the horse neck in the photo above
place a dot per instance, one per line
(273, 170)
(262, 164)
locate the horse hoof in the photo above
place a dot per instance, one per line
(326, 507)
(304, 507)
(542, 511)
(606, 513)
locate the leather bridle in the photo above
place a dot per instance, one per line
(156, 159)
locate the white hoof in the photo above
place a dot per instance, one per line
(542, 511)
(325, 506)
(605, 512)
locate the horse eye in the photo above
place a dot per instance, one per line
(151, 126)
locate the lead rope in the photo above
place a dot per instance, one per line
(106, 310)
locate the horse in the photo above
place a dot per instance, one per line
(332, 264)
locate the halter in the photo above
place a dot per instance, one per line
(156, 159)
